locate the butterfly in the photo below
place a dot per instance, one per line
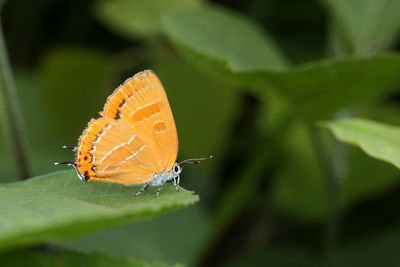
(135, 140)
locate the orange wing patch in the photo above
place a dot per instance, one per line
(146, 112)
(159, 126)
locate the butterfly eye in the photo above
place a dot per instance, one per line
(176, 169)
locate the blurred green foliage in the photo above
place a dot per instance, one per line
(297, 100)
(365, 27)
(138, 19)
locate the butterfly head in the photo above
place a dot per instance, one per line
(176, 169)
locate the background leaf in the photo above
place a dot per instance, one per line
(376, 139)
(222, 41)
(223, 36)
(57, 206)
(323, 88)
(138, 18)
(367, 26)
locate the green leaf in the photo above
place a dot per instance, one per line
(137, 18)
(58, 206)
(225, 37)
(362, 181)
(367, 26)
(376, 139)
(158, 239)
(226, 43)
(320, 89)
(52, 258)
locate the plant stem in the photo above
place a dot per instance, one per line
(334, 216)
(13, 120)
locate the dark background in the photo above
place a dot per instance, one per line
(264, 198)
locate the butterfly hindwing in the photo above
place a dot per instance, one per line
(134, 139)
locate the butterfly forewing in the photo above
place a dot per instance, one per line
(134, 139)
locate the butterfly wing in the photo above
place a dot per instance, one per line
(134, 139)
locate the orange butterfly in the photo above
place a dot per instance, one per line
(134, 141)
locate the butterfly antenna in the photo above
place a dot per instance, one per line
(194, 160)
(69, 163)
(72, 148)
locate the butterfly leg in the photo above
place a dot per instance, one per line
(158, 190)
(143, 188)
(176, 182)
